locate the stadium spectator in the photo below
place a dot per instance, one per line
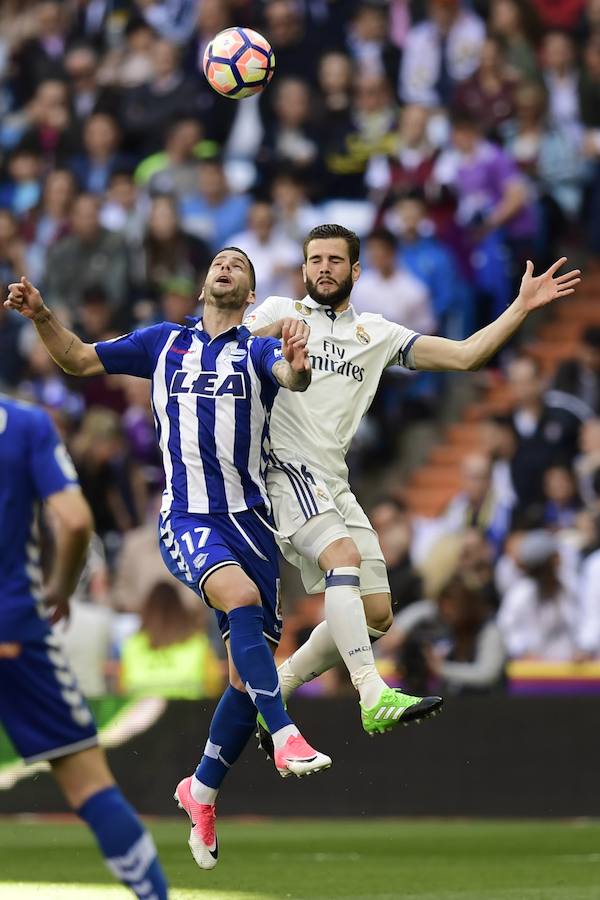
(440, 53)
(488, 95)
(273, 254)
(432, 262)
(168, 251)
(130, 63)
(335, 75)
(515, 24)
(477, 505)
(391, 521)
(88, 256)
(45, 126)
(101, 157)
(170, 656)
(409, 165)
(112, 483)
(125, 211)
(96, 316)
(87, 639)
(213, 213)
(495, 209)
(20, 193)
(49, 221)
(12, 248)
(292, 44)
(291, 138)
(295, 215)
(561, 80)
(562, 502)
(538, 614)
(88, 97)
(587, 463)
(580, 376)
(452, 640)
(552, 159)
(369, 44)
(368, 133)
(169, 94)
(498, 440)
(174, 170)
(545, 434)
(41, 57)
(387, 288)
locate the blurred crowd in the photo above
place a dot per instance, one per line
(457, 138)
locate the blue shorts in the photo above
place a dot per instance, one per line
(194, 545)
(41, 706)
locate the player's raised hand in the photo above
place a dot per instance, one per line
(24, 298)
(537, 291)
(294, 337)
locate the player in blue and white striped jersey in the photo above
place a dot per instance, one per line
(41, 706)
(213, 386)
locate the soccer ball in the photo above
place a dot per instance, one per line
(238, 62)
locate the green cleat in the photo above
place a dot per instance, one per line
(394, 707)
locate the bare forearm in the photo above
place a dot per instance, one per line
(486, 342)
(290, 378)
(69, 558)
(273, 330)
(65, 348)
(437, 354)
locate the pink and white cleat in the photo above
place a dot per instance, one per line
(297, 757)
(203, 837)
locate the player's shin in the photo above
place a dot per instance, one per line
(256, 667)
(231, 727)
(127, 847)
(347, 622)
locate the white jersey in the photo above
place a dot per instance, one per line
(348, 353)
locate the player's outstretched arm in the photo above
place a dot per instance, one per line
(71, 522)
(437, 354)
(294, 370)
(65, 348)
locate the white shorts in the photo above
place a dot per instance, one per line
(298, 494)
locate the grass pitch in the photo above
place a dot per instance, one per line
(363, 859)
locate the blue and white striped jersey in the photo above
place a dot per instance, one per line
(33, 465)
(212, 401)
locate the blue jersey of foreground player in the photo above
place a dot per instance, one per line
(33, 465)
(211, 400)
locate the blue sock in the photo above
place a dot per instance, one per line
(232, 725)
(127, 847)
(256, 666)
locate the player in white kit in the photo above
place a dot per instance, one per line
(324, 531)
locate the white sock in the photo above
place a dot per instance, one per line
(317, 654)
(280, 737)
(202, 793)
(347, 622)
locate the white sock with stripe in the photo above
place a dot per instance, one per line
(347, 622)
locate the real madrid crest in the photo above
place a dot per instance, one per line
(301, 308)
(363, 336)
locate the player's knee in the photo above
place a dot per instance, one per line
(380, 620)
(250, 596)
(341, 553)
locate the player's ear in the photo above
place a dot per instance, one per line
(251, 298)
(201, 297)
(355, 272)
(304, 272)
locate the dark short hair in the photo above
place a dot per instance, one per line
(326, 232)
(591, 337)
(248, 260)
(385, 236)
